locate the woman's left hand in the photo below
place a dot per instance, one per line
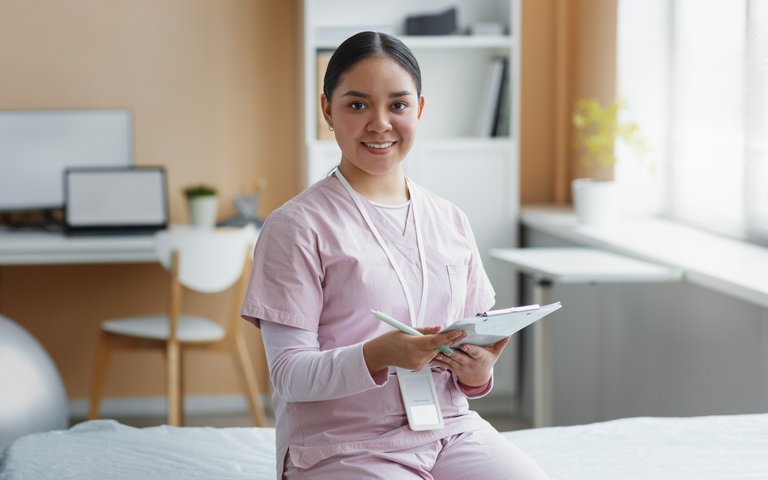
(472, 364)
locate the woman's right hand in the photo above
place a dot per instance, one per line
(402, 350)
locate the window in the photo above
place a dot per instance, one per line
(699, 70)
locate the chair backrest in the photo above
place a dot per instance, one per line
(209, 260)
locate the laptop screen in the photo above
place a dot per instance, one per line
(118, 200)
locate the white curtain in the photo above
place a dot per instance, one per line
(707, 60)
(756, 161)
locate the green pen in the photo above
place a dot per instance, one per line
(405, 328)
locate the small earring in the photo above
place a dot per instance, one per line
(330, 127)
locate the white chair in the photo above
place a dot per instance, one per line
(207, 261)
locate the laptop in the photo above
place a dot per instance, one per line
(115, 200)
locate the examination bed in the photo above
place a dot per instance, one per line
(711, 447)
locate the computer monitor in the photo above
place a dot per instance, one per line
(37, 146)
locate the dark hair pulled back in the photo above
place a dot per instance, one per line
(364, 45)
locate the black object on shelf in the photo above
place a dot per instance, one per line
(437, 24)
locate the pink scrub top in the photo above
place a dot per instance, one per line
(318, 267)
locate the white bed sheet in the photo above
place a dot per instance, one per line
(730, 447)
(702, 448)
(106, 449)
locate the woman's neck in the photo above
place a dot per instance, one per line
(389, 188)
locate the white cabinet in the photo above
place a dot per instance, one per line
(473, 169)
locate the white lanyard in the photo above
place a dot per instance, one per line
(417, 319)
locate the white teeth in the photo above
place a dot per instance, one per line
(379, 145)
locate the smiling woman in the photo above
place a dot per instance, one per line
(374, 109)
(374, 115)
(352, 397)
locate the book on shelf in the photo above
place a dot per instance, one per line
(501, 120)
(489, 115)
(323, 57)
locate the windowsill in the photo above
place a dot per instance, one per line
(733, 267)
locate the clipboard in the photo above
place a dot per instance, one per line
(494, 325)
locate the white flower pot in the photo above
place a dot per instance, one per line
(596, 202)
(202, 211)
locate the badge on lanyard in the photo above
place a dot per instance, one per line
(420, 398)
(417, 387)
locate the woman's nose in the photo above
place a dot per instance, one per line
(379, 121)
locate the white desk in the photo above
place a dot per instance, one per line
(726, 265)
(549, 266)
(48, 248)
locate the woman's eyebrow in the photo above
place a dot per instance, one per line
(355, 93)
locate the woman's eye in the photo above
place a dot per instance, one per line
(357, 105)
(400, 106)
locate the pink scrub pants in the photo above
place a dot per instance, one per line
(482, 454)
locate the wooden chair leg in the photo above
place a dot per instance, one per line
(99, 375)
(182, 387)
(250, 382)
(173, 383)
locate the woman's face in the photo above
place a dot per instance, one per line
(374, 112)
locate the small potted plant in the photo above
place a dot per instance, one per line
(202, 205)
(597, 129)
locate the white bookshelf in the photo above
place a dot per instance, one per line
(479, 173)
(436, 42)
(454, 67)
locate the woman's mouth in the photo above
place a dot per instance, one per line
(379, 146)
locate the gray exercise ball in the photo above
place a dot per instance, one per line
(32, 395)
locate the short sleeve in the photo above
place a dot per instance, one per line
(285, 285)
(480, 293)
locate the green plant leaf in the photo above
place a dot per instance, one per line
(597, 128)
(200, 190)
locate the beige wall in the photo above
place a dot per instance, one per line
(537, 102)
(213, 87)
(569, 52)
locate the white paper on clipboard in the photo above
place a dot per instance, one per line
(492, 326)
